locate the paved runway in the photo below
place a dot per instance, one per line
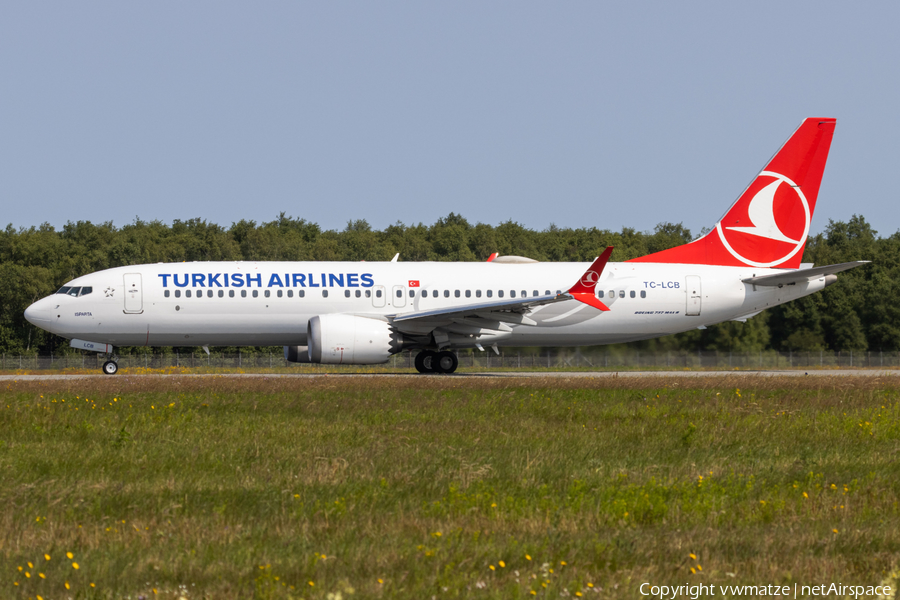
(500, 374)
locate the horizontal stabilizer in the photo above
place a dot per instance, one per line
(802, 275)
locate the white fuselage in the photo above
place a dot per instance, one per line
(270, 303)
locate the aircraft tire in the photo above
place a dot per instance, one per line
(445, 362)
(425, 361)
(110, 368)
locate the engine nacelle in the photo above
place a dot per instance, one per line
(339, 339)
(296, 354)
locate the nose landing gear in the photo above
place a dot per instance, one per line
(111, 366)
(429, 361)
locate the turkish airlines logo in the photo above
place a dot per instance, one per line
(413, 283)
(771, 227)
(590, 279)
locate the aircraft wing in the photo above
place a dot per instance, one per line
(499, 315)
(802, 275)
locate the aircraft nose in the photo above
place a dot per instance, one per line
(38, 313)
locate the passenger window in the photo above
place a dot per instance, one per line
(399, 293)
(358, 294)
(86, 290)
(231, 293)
(368, 293)
(178, 293)
(267, 293)
(301, 293)
(512, 293)
(256, 293)
(64, 290)
(209, 293)
(346, 293)
(599, 293)
(468, 293)
(643, 293)
(279, 293)
(290, 293)
(187, 293)
(621, 293)
(456, 294)
(166, 293)
(499, 293)
(631, 293)
(546, 292)
(612, 293)
(74, 291)
(412, 293)
(243, 293)
(324, 293)
(221, 293)
(478, 293)
(378, 293)
(446, 293)
(535, 293)
(490, 293)
(524, 294)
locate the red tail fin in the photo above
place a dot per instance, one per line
(769, 223)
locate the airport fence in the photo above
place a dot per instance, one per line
(581, 359)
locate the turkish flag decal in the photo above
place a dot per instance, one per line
(413, 283)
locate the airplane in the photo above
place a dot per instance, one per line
(363, 313)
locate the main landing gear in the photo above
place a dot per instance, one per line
(430, 361)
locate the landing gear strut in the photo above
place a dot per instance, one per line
(429, 361)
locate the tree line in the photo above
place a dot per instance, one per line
(860, 312)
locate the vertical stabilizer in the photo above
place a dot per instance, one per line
(768, 224)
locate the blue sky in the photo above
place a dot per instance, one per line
(577, 114)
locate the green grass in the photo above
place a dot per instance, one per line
(416, 487)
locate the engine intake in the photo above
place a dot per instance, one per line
(339, 339)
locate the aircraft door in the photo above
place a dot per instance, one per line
(399, 298)
(134, 301)
(693, 293)
(378, 296)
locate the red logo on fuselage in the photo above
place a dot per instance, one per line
(768, 224)
(413, 283)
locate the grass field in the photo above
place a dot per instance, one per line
(420, 487)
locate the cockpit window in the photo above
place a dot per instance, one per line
(86, 290)
(74, 291)
(64, 290)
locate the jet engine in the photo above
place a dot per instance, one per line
(339, 339)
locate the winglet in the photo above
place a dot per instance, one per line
(492, 256)
(583, 290)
